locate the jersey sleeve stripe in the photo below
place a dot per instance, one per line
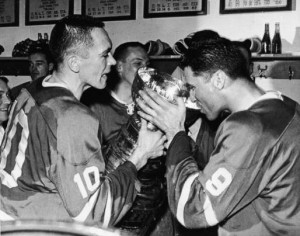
(1, 133)
(17, 171)
(5, 217)
(184, 197)
(7, 147)
(5, 152)
(108, 208)
(7, 179)
(209, 212)
(82, 216)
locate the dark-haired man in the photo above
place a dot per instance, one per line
(40, 63)
(250, 186)
(52, 166)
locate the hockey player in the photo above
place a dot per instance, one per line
(250, 185)
(51, 161)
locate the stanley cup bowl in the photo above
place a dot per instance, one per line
(166, 86)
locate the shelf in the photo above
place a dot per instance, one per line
(275, 66)
(255, 57)
(14, 66)
(18, 66)
(275, 57)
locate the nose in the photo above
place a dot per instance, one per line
(111, 60)
(32, 67)
(6, 99)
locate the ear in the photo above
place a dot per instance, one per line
(119, 66)
(218, 79)
(73, 63)
(50, 66)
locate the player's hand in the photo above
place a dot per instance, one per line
(165, 115)
(150, 144)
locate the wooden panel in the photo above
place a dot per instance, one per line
(281, 66)
(277, 69)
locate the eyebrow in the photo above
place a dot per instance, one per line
(38, 61)
(106, 51)
(139, 59)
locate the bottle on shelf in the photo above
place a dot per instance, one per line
(266, 41)
(40, 37)
(46, 38)
(39, 41)
(276, 41)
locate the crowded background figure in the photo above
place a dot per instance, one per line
(5, 102)
(52, 166)
(250, 185)
(40, 65)
(40, 62)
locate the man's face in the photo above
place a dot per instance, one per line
(38, 66)
(204, 94)
(93, 69)
(4, 101)
(136, 58)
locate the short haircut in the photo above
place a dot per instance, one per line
(121, 51)
(214, 55)
(72, 35)
(202, 36)
(42, 50)
(4, 79)
(120, 54)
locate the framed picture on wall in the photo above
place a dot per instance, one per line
(243, 6)
(174, 8)
(110, 10)
(9, 13)
(39, 12)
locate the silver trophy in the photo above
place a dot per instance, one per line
(166, 86)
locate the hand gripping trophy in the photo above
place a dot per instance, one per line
(151, 198)
(166, 86)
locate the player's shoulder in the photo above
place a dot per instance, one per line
(244, 123)
(71, 111)
(61, 104)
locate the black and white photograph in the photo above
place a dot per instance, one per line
(149, 117)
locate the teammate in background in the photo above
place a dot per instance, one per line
(4, 104)
(250, 185)
(40, 62)
(40, 65)
(52, 166)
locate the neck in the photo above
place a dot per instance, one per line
(69, 82)
(243, 95)
(123, 91)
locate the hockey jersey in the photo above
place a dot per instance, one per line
(52, 166)
(250, 185)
